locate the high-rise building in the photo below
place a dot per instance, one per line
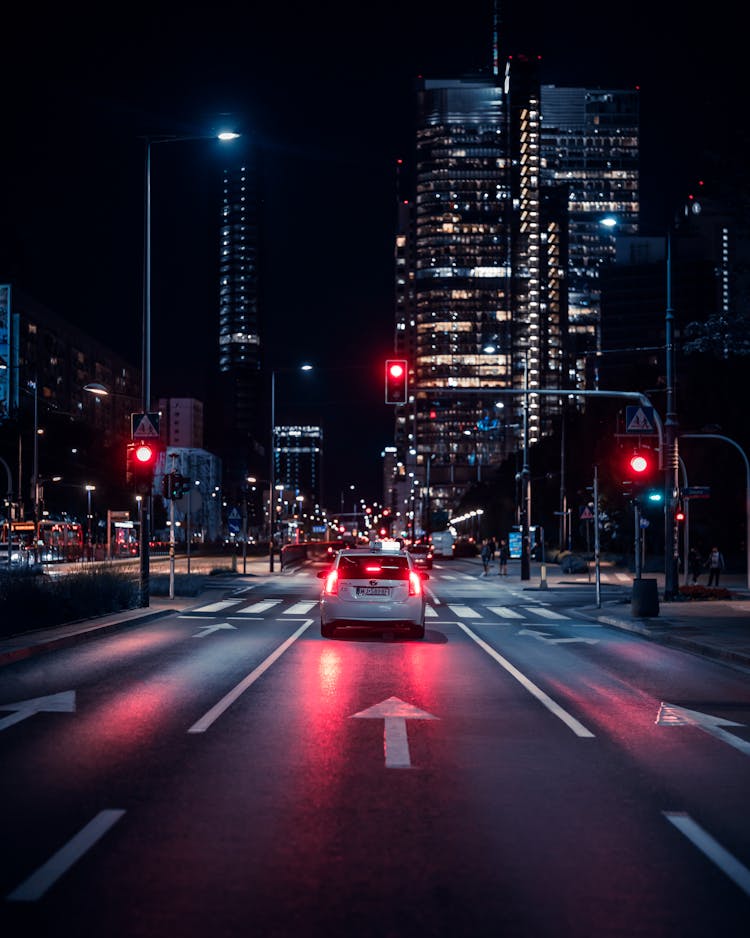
(480, 304)
(239, 409)
(590, 147)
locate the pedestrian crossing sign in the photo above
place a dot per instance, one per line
(639, 419)
(144, 426)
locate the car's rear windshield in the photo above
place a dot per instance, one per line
(378, 567)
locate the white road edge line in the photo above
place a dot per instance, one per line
(570, 721)
(48, 873)
(729, 865)
(216, 711)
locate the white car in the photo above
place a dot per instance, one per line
(377, 587)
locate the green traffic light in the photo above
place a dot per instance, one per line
(655, 496)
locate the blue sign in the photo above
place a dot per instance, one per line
(233, 521)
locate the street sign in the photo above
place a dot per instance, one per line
(233, 521)
(144, 426)
(640, 420)
(586, 513)
(697, 491)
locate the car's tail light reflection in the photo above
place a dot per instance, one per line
(331, 587)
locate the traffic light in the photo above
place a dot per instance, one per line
(679, 512)
(142, 458)
(395, 381)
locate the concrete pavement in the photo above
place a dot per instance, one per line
(717, 629)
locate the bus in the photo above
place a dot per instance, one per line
(49, 541)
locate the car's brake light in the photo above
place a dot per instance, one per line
(415, 583)
(331, 586)
(374, 568)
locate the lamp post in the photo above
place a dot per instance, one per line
(89, 490)
(525, 482)
(671, 460)
(144, 506)
(272, 467)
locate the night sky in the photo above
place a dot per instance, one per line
(326, 92)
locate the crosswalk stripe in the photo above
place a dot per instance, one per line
(299, 609)
(505, 612)
(262, 606)
(218, 606)
(545, 613)
(430, 612)
(465, 612)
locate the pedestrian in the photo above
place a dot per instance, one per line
(695, 565)
(493, 548)
(485, 554)
(503, 554)
(715, 564)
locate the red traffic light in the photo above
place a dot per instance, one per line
(395, 380)
(679, 514)
(639, 463)
(145, 453)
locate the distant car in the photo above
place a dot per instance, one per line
(372, 589)
(421, 554)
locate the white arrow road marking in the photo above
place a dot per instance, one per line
(216, 711)
(208, 629)
(218, 606)
(64, 702)
(728, 864)
(570, 721)
(545, 637)
(670, 715)
(544, 613)
(464, 612)
(39, 882)
(505, 612)
(299, 609)
(395, 713)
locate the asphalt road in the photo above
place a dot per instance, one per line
(522, 771)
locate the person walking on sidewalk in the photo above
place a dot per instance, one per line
(715, 565)
(485, 554)
(503, 554)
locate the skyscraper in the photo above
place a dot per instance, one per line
(239, 408)
(480, 308)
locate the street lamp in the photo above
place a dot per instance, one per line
(272, 469)
(89, 490)
(144, 504)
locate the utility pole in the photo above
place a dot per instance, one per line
(525, 482)
(671, 456)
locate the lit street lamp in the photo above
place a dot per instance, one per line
(144, 504)
(272, 469)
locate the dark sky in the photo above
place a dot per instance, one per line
(326, 92)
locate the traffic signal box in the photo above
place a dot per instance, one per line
(141, 463)
(396, 380)
(640, 474)
(174, 485)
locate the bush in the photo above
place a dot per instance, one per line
(704, 592)
(31, 599)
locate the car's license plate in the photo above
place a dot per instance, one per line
(373, 591)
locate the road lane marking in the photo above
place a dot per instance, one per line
(216, 711)
(262, 606)
(429, 612)
(728, 864)
(671, 715)
(39, 882)
(64, 702)
(568, 719)
(395, 712)
(299, 609)
(205, 630)
(464, 612)
(218, 606)
(505, 612)
(544, 613)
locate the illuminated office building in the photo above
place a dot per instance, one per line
(590, 146)
(480, 303)
(240, 406)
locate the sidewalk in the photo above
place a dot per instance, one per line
(717, 629)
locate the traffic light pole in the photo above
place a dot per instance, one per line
(671, 456)
(525, 483)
